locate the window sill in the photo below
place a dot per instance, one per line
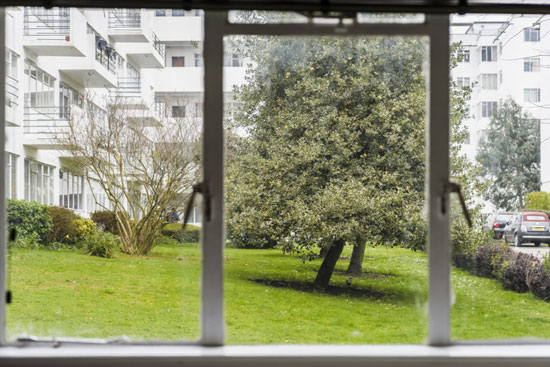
(275, 355)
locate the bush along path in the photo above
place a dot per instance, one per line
(516, 271)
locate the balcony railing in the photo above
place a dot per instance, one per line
(105, 55)
(160, 47)
(124, 18)
(12, 91)
(128, 87)
(45, 120)
(47, 24)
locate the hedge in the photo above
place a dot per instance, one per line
(174, 230)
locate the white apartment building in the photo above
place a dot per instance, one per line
(505, 56)
(54, 57)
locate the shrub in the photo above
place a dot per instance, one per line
(174, 230)
(28, 218)
(105, 220)
(63, 229)
(101, 244)
(84, 228)
(538, 281)
(514, 275)
(490, 259)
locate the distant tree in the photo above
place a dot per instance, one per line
(509, 154)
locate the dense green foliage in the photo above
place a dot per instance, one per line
(101, 244)
(538, 200)
(105, 220)
(63, 227)
(29, 219)
(174, 230)
(510, 156)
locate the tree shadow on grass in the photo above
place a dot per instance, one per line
(333, 290)
(365, 274)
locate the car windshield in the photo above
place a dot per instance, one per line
(535, 218)
(504, 217)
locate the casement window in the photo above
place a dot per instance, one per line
(96, 199)
(531, 95)
(11, 176)
(71, 189)
(488, 109)
(68, 97)
(178, 61)
(198, 60)
(488, 81)
(160, 13)
(463, 56)
(233, 60)
(12, 78)
(39, 182)
(40, 87)
(531, 64)
(462, 82)
(178, 12)
(531, 34)
(489, 53)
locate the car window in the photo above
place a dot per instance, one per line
(535, 218)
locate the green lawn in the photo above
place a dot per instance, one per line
(268, 298)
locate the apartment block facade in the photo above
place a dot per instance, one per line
(56, 58)
(505, 56)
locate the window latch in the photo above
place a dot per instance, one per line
(451, 187)
(201, 188)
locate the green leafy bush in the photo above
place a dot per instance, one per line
(514, 275)
(105, 220)
(63, 229)
(174, 230)
(538, 282)
(28, 218)
(84, 228)
(490, 259)
(101, 244)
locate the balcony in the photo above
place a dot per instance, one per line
(144, 55)
(12, 101)
(165, 26)
(97, 69)
(130, 25)
(129, 93)
(44, 127)
(54, 32)
(191, 79)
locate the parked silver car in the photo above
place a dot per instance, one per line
(526, 227)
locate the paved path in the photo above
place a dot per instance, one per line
(529, 248)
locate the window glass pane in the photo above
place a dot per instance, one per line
(178, 61)
(500, 273)
(325, 162)
(100, 174)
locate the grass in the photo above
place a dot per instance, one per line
(267, 294)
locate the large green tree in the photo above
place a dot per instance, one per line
(509, 153)
(334, 149)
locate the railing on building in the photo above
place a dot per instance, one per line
(47, 24)
(105, 54)
(159, 46)
(124, 18)
(128, 87)
(12, 91)
(45, 120)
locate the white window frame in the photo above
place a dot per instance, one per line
(531, 34)
(209, 350)
(490, 53)
(531, 95)
(489, 81)
(531, 64)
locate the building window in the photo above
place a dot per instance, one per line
(178, 111)
(178, 61)
(160, 12)
(12, 81)
(40, 88)
(233, 60)
(531, 64)
(38, 182)
(531, 34)
(71, 189)
(198, 110)
(488, 109)
(489, 53)
(68, 97)
(463, 56)
(462, 82)
(500, 76)
(531, 95)
(11, 176)
(488, 81)
(96, 199)
(198, 60)
(178, 12)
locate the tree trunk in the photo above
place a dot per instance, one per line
(324, 250)
(356, 263)
(327, 267)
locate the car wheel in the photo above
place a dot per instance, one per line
(517, 243)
